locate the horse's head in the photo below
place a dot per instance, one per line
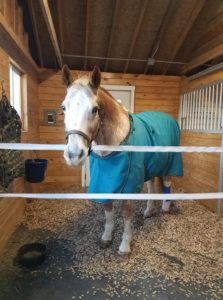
(81, 112)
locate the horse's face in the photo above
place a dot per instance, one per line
(81, 112)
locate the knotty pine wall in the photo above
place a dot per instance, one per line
(11, 210)
(201, 171)
(151, 93)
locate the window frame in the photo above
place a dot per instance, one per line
(15, 69)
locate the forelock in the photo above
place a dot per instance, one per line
(84, 80)
(81, 84)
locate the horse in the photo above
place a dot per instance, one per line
(92, 116)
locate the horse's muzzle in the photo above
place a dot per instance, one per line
(74, 155)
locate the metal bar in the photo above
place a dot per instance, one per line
(187, 111)
(180, 115)
(122, 59)
(193, 106)
(184, 111)
(205, 126)
(201, 109)
(212, 106)
(191, 110)
(216, 106)
(220, 108)
(206, 71)
(209, 109)
(220, 178)
(197, 112)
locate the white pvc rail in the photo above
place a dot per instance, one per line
(72, 196)
(61, 147)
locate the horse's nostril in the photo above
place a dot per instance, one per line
(70, 155)
(81, 153)
(74, 155)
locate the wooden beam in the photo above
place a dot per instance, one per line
(112, 33)
(35, 31)
(11, 44)
(218, 40)
(162, 30)
(203, 58)
(135, 34)
(199, 4)
(51, 29)
(60, 23)
(86, 35)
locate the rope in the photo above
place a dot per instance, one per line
(61, 147)
(72, 196)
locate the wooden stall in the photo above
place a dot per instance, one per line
(155, 53)
(202, 171)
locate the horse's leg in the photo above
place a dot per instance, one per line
(127, 213)
(167, 190)
(109, 225)
(150, 207)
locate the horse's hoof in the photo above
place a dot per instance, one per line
(163, 211)
(149, 214)
(104, 244)
(175, 210)
(124, 254)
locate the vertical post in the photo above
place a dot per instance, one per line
(220, 178)
(180, 116)
(219, 127)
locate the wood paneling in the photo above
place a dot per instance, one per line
(159, 93)
(11, 210)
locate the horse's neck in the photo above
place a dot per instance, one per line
(115, 123)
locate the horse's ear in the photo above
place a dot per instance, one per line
(66, 75)
(95, 78)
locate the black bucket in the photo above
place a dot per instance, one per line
(35, 169)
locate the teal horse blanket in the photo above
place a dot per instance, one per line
(126, 172)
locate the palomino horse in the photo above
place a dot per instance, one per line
(92, 115)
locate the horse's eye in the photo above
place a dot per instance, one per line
(94, 110)
(63, 107)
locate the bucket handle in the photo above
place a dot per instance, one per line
(33, 159)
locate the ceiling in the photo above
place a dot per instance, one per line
(165, 37)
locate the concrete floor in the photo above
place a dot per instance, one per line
(54, 280)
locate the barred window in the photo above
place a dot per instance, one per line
(202, 109)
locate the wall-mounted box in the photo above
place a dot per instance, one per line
(49, 117)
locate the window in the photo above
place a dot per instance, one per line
(18, 94)
(202, 109)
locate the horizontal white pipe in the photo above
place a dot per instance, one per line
(61, 147)
(72, 196)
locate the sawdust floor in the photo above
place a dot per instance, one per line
(67, 273)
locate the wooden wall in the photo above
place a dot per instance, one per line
(151, 93)
(11, 16)
(11, 210)
(201, 171)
